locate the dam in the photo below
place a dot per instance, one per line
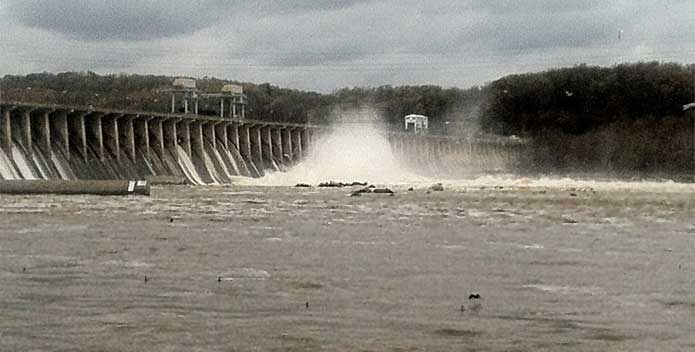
(54, 142)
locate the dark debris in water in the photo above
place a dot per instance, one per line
(437, 187)
(382, 191)
(457, 332)
(305, 285)
(359, 192)
(608, 336)
(371, 189)
(679, 303)
(333, 184)
(568, 220)
(302, 343)
(253, 201)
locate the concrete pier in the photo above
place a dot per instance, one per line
(104, 188)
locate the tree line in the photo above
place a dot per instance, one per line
(626, 119)
(578, 99)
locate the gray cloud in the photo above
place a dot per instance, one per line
(532, 6)
(133, 20)
(323, 45)
(128, 20)
(529, 32)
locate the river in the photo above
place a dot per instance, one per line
(560, 265)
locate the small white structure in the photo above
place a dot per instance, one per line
(419, 123)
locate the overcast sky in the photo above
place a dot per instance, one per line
(327, 44)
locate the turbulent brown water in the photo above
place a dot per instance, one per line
(560, 265)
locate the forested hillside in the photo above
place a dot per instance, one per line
(624, 119)
(576, 100)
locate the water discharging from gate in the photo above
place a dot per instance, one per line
(348, 153)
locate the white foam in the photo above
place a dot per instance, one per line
(7, 170)
(61, 167)
(22, 164)
(41, 163)
(247, 274)
(531, 246)
(230, 157)
(348, 153)
(210, 166)
(187, 167)
(451, 246)
(565, 290)
(565, 183)
(128, 264)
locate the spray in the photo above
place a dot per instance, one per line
(354, 148)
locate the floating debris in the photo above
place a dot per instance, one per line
(333, 184)
(360, 191)
(382, 191)
(568, 220)
(437, 187)
(254, 201)
(474, 307)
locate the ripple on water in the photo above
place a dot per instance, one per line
(565, 290)
(243, 193)
(245, 274)
(127, 263)
(451, 246)
(531, 246)
(525, 246)
(254, 201)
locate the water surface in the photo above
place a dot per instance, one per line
(561, 265)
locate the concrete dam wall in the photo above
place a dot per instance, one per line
(71, 143)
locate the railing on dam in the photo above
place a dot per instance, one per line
(66, 142)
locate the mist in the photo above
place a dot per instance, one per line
(353, 148)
